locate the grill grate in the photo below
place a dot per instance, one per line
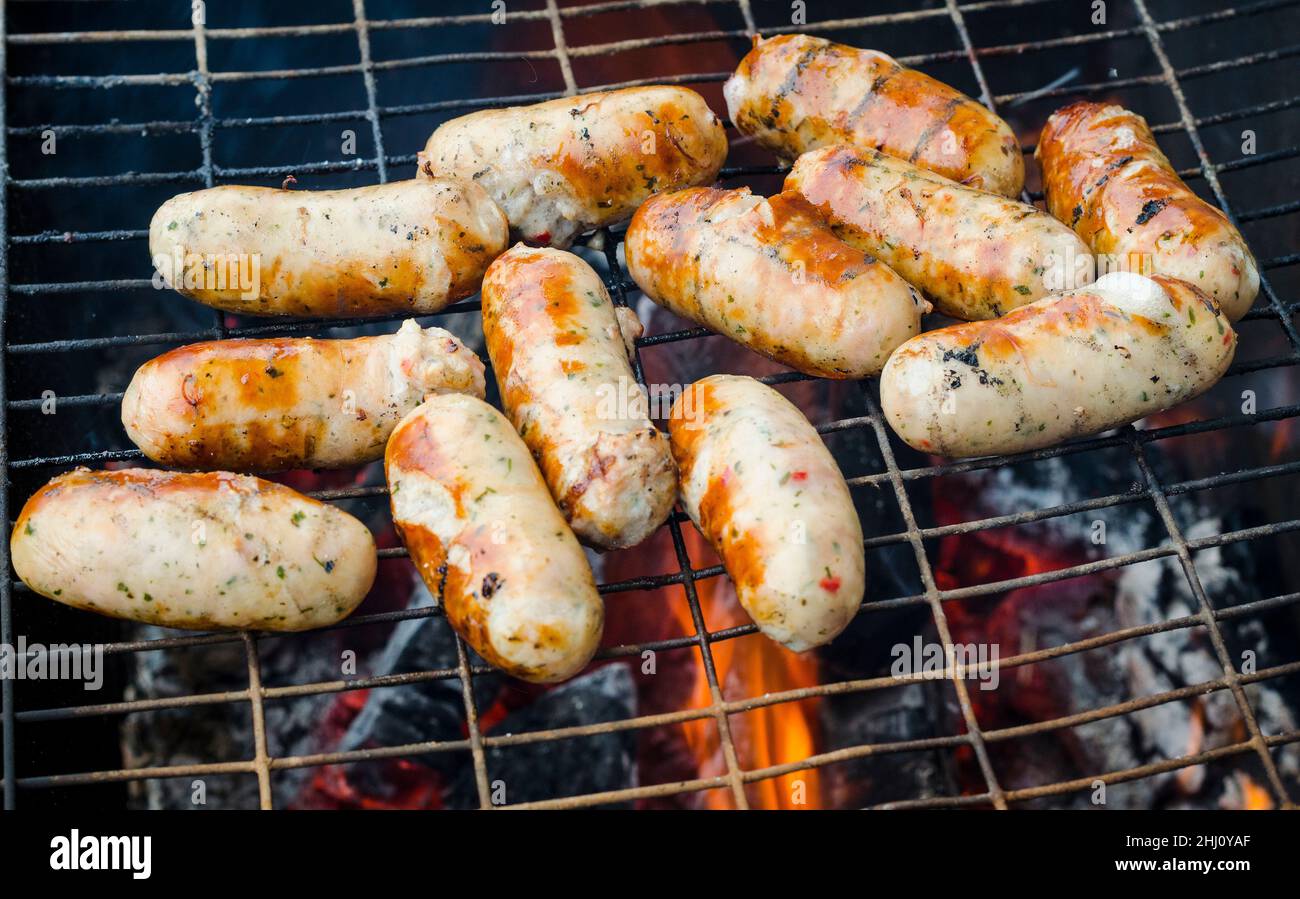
(895, 478)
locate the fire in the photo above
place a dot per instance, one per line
(1253, 796)
(1190, 779)
(751, 666)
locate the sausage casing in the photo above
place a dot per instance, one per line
(795, 93)
(568, 388)
(197, 551)
(486, 537)
(409, 246)
(763, 489)
(769, 274)
(566, 166)
(1104, 175)
(1069, 365)
(269, 405)
(977, 255)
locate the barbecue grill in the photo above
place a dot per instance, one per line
(57, 306)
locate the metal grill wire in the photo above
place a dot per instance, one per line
(951, 15)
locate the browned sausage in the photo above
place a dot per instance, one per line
(762, 487)
(569, 165)
(409, 246)
(198, 551)
(1104, 175)
(976, 254)
(560, 362)
(486, 537)
(770, 274)
(268, 405)
(796, 93)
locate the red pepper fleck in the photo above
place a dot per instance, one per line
(799, 475)
(541, 239)
(829, 584)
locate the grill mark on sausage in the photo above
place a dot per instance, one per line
(1150, 209)
(850, 123)
(413, 446)
(940, 123)
(792, 77)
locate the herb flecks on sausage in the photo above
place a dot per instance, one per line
(763, 489)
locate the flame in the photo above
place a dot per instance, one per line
(1191, 778)
(751, 666)
(1253, 796)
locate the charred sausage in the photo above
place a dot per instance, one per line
(569, 165)
(410, 246)
(1069, 365)
(975, 254)
(770, 275)
(795, 93)
(568, 388)
(763, 489)
(268, 405)
(196, 551)
(1104, 175)
(486, 537)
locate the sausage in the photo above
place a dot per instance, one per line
(796, 93)
(1072, 364)
(1104, 175)
(484, 534)
(269, 405)
(763, 489)
(770, 275)
(568, 388)
(976, 254)
(410, 246)
(194, 551)
(569, 165)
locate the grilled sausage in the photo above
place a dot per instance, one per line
(568, 388)
(763, 489)
(976, 254)
(1104, 175)
(569, 165)
(1069, 365)
(770, 275)
(482, 530)
(795, 93)
(268, 405)
(410, 246)
(196, 551)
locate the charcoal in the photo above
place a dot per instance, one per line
(221, 732)
(1068, 611)
(555, 768)
(425, 711)
(892, 715)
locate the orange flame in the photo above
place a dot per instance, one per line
(1189, 779)
(747, 667)
(1253, 796)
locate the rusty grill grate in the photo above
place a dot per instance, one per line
(207, 126)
